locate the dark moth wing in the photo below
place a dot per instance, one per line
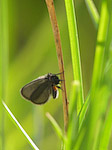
(38, 91)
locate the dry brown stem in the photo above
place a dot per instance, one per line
(55, 28)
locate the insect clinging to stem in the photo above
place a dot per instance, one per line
(39, 90)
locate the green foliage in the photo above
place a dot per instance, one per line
(93, 12)
(74, 42)
(73, 117)
(106, 131)
(56, 126)
(12, 117)
(93, 124)
(4, 47)
(27, 48)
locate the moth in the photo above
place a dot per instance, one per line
(39, 90)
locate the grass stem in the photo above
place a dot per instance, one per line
(55, 28)
(93, 12)
(75, 52)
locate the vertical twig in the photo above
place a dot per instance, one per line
(55, 28)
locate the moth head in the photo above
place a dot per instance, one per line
(53, 78)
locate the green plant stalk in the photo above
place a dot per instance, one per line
(55, 126)
(1, 111)
(79, 140)
(93, 12)
(83, 111)
(95, 112)
(4, 44)
(98, 67)
(14, 120)
(0, 55)
(73, 118)
(103, 105)
(4, 47)
(108, 42)
(73, 98)
(74, 49)
(100, 47)
(97, 134)
(106, 131)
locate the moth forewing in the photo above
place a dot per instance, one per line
(39, 90)
(29, 88)
(42, 97)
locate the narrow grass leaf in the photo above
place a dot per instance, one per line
(12, 117)
(79, 140)
(74, 91)
(93, 12)
(83, 111)
(96, 90)
(1, 111)
(103, 100)
(95, 120)
(106, 133)
(73, 35)
(56, 126)
(4, 48)
(4, 44)
(108, 46)
(73, 116)
(100, 47)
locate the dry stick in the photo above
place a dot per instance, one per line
(55, 28)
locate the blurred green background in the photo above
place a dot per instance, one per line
(32, 53)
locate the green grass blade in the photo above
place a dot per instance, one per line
(73, 117)
(1, 111)
(100, 47)
(73, 35)
(4, 44)
(108, 47)
(93, 12)
(12, 117)
(106, 133)
(99, 94)
(79, 140)
(73, 98)
(0, 53)
(83, 111)
(94, 118)
(102, 101)
(55, 126)
(4, 48)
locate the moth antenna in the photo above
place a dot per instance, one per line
(59, 73)
(61, 80)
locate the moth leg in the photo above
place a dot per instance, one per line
(59, 87)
